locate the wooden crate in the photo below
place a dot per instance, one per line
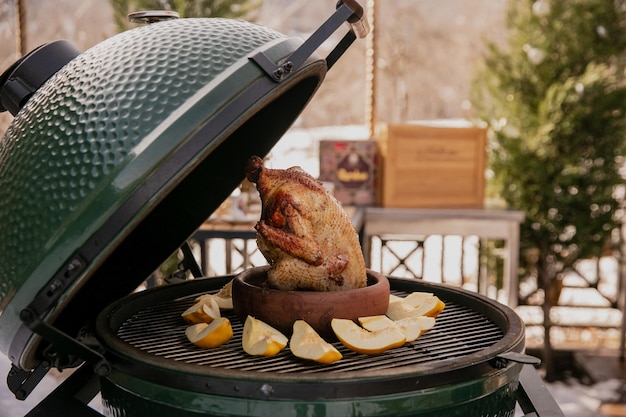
(431, 166)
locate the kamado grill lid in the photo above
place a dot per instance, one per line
(112, 163)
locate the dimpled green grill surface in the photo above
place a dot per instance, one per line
(69, 142)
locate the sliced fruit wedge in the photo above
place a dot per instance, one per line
(430, 306)
(261, 339)
(204, 311)
(363, 341)
(393, 298)
(416, 299)
(375, 323)
(224, 297)
(222, 302)
(227, 290)
(211, 335)
(412, 327)
(306, 343)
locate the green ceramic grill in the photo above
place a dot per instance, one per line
(125, 149)
(114, 158)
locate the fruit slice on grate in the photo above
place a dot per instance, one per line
(414, 305)
(360, 340)
(224, 297)
(306, 343)
(204, 311)
(261, 339)
(412, 327)
(210, 335)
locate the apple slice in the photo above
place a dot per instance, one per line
(210, 335)
(204, 311)
(412, 327)
(360, 340)
(306, 343)
(261, 339)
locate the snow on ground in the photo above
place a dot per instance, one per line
(577, 400)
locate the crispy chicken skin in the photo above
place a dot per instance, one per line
(304, 233)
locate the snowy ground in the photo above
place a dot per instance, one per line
(577, 400)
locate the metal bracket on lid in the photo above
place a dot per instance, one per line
(347, 11)
(65, 343)
(21, 382)
(56, 287)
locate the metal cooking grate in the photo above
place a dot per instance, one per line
(159, 330)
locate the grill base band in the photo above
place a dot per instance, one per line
(494, 395)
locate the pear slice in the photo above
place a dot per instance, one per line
(261, 339)
(393, 298)
(204, 311)
(224, 297)
(306, 343)
(363, 341)
(375, 323)
(210, 335)
(399, 309)
(223, 303)
(415, 299)
(412, 327)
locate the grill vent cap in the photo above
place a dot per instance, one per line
(20, 81)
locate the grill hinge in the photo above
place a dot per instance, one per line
(64, 351)
(347, 11)
(64, 344)
(21, 382)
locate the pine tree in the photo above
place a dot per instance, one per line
(554, 99)
(185, 8)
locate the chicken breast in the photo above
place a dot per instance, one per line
(304, 233)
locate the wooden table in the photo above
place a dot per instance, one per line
(484, 223)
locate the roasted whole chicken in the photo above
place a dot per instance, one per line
(304, 233)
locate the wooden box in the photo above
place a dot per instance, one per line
(431, 166)
(351, 166)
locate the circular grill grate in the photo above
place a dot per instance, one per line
(159, 330)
